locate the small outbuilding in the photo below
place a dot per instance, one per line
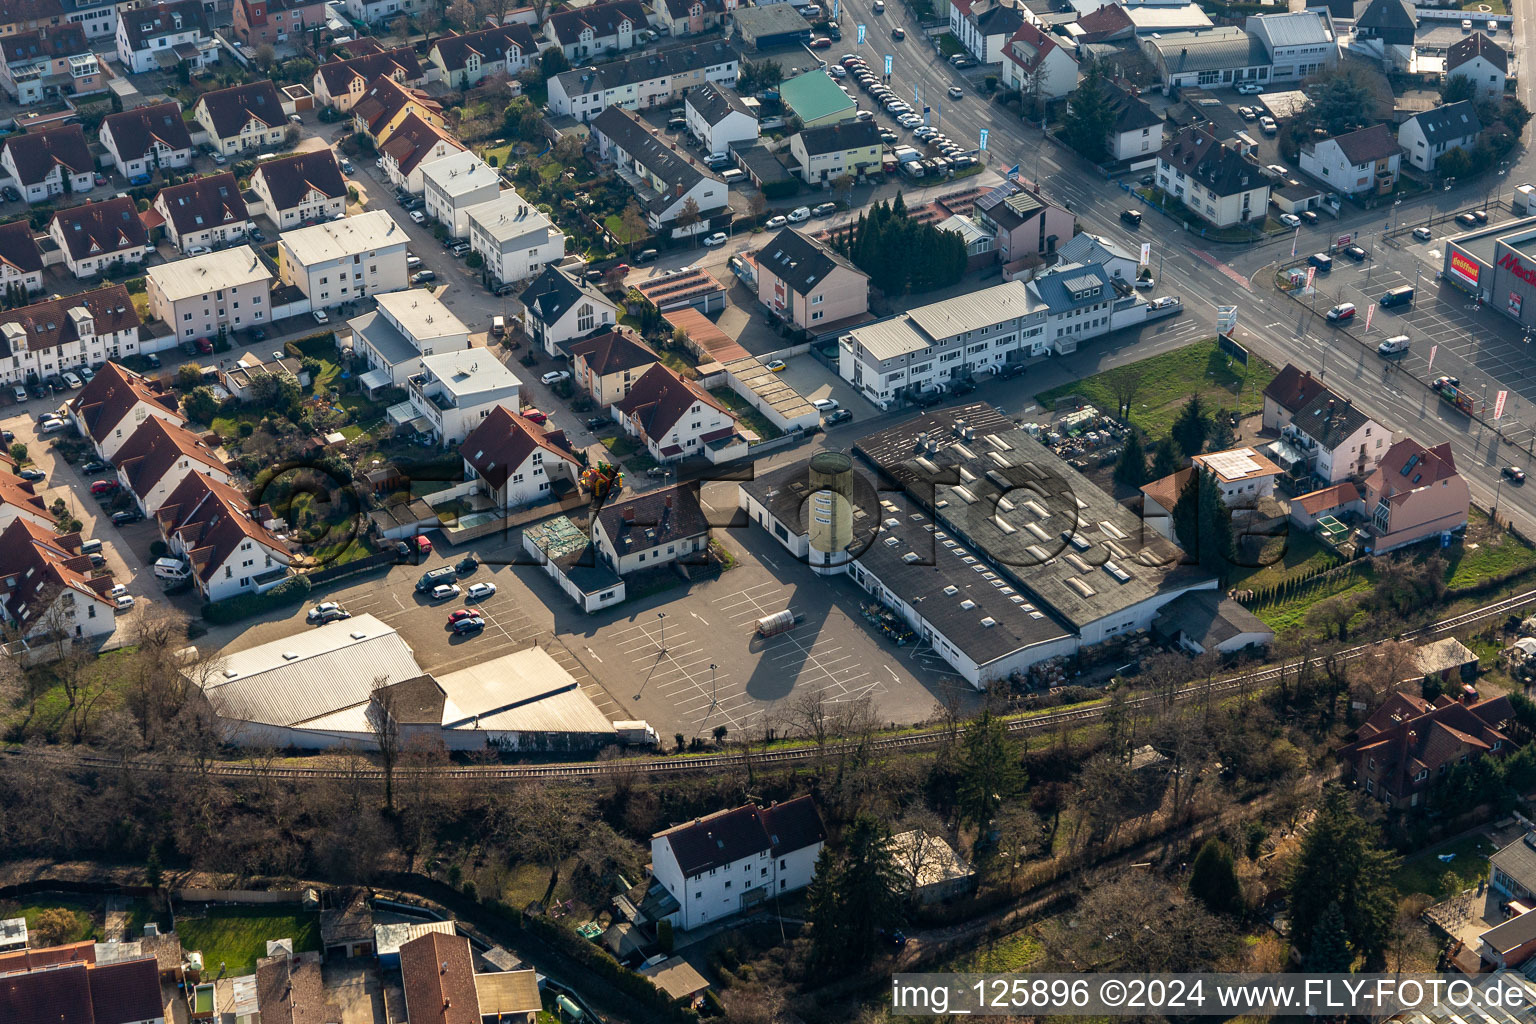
(932, 870)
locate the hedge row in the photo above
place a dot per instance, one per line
(295, 348)
(232, 609)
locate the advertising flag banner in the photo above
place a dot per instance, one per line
(1294, 239)
(861, 35)
(1311, 273)
(1498, 405)
(983, 138)
(1146, 253)
(1370, 311)
(834, 9)
(1432, 350)
(888, 61)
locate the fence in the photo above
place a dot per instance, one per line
(267, 896)
(377, 560)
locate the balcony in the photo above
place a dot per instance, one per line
(419, 383)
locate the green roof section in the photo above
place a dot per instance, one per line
(814, 97)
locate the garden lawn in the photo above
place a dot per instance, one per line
(619, 445)
(949, 45)
(497, 156)
(85, 912)
(1425, 872)
(1483, 554)
(237, 937)
(1011, 953)
(743, 410)
(1167, 381)
(1298, 553)
(1288, 615)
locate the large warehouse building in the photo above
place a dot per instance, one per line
(1497, 265)
(996, 552)
(332, 685)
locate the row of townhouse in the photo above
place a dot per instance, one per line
(643, 81)
(665, 180)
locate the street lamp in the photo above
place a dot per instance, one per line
(662, 618)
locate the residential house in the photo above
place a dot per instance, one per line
(205, 212)
(377, 12)
(386, 103)
(26, 15)
(158, 456)
(602, 28)
(826, 153)
(456, 391)
(97, 17)
(402, 328)
(86, 988)
(1409, 743)
(1388, 26)
(1158, 498)
(111, 407)
(558, 307)
(21, 261)
(147, 139)
(805, 283)
(1322, 434)
(718, 118)
(20, 500)
(53, 335)
(47, 591)
(273, 22)
(411, 147)
(691, 17)
(344, 260)
(244, 118)
(1217, 181)
(1208, 58)
(644, 531)
(1242, 475)
(1022, 221)
(211, 295)
(1360, 162)
(1414, 493)
(452, 184)
(665, 181)
(1340, 501)
(48, 163)
(1430, 135)
(516, 238)
(1480, 60)
(158, 37)
(510, 996)
(814, 99)
(1123, 264)
(1509, 945)
(1036, 65)
(984, 27)
(1075, 302)
(718, 864)
(437, 974)
(301, 187)
(931, 871)
(290, 989)
(1106, 24)
(606, 366)
(98, 235)
(672, 416)
(465, 60)
(1136, 130)
(643, 81)
(1512, 870)
(518, 462)
(226, 540)
(1300, 43)
(244, 379)
(49, 63)
(341, 83)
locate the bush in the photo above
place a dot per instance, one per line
(135, 286)
(158, 549)
(19, 452)
(291, 591)
(474, 261)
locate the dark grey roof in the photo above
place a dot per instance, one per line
(603, 18)
(1392, 21)
(647, 67)
(626, 129)
(715, 104)
(640, 522)
(1518, 861)
(1131, 112)
(143, 25)
(999, 20)
(1511, 935)
(1329, 419)
(1060, 541)
(761, 163)
(1225, 170)
(769, 20)
(799, 261)
(1207, 617)
(1010, 204)
(840, 137)
(1367, 145)
(1059, 287)
(551, 294)
(1451, 121)
(729, 836)
(1210, 50)
(1476, 45)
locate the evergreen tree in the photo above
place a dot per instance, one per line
(1131, 470)
(1192, 427)
(990, 772)
(1340, 864)
(1213, 879)
(1165, 459)
(1202, 523)
(853, 894)
(1089, 116)
(1329, 952)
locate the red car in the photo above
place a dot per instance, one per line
(464, 613)
(205, 346)
(821, 43)
(535, 416)
(104, 486)
(423, 545)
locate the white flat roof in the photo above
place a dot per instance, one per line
(458, 173)
(525, 692)
(420, 314)
(199, 275)
(508, 216)
(362, 233)
(470, 372)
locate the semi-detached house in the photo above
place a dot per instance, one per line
(53, 335)
(1360, 162)
(276, 21)
(224, 538)
(605, 27)
(49, 63)
(717, 865)
(664, 180)
(1413, 494)
(411, 148)
(607, 365)
(1036, 65)
(643, 81)
(558, 307)
(21, 261)
(386, 104)
(718, 118)
(246, 117)
(826, 153)
(205, 212)
(158, 456)
(405, 325)
(1428, 136)
(301, 187)
(805, 283)
(983, 27)
(1481, 61)
(47, 590)
(96, 236)
(672, 416)
(517, 461)
(452, 184)
(49, 163)
(465, 59)
(1322, 433)
(341, 83)
(147, 139)
(158, 37)
(110, 408)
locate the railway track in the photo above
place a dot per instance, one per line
(664, 767)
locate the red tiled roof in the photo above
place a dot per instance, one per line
(154, 448)
(1408, 735)
(438, 975)
(1321, 501)
(385, 98)
(126, 991)
(212, 519)
(410, 143)
(1409, 466)
(660, 398)
(1292, 388)
(113, 394)
(612, 352)
(207, 202)
(18, 247)
(502, 442)
(339, 74)
(36, 564)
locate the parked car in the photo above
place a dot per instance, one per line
(127, 516)
(32, 474)
(1440, 382)
(19, 392)
(555, 376)
(417, 217)
(1249, 88)
(423, 276)
(469, 625)
(598, 423)
(329, 611)
(821, 43)
(1290, 220)
(86, 374)
(123, 602)
(962, 61)
(443, 591)
(1355, 253)
(718, 238)
(535, 416)
(837, 416)
(101, 488)
(1423, 234)
(1466, 219)
(775, 222)
(96, 466)
(481, 591)
(321, 317)
(463, 613)
(799, 214)
(71, 380)
(824, 210)
(775, 365)
(645, 256)
(824, 404)
(11, 195)
(1342, 312)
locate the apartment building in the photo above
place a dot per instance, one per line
(343, 260)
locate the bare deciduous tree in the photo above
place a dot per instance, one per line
(382, 706)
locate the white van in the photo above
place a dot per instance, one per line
(1392, 346)
(171, 569)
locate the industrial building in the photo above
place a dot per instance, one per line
(996, 552)
(333, 685)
